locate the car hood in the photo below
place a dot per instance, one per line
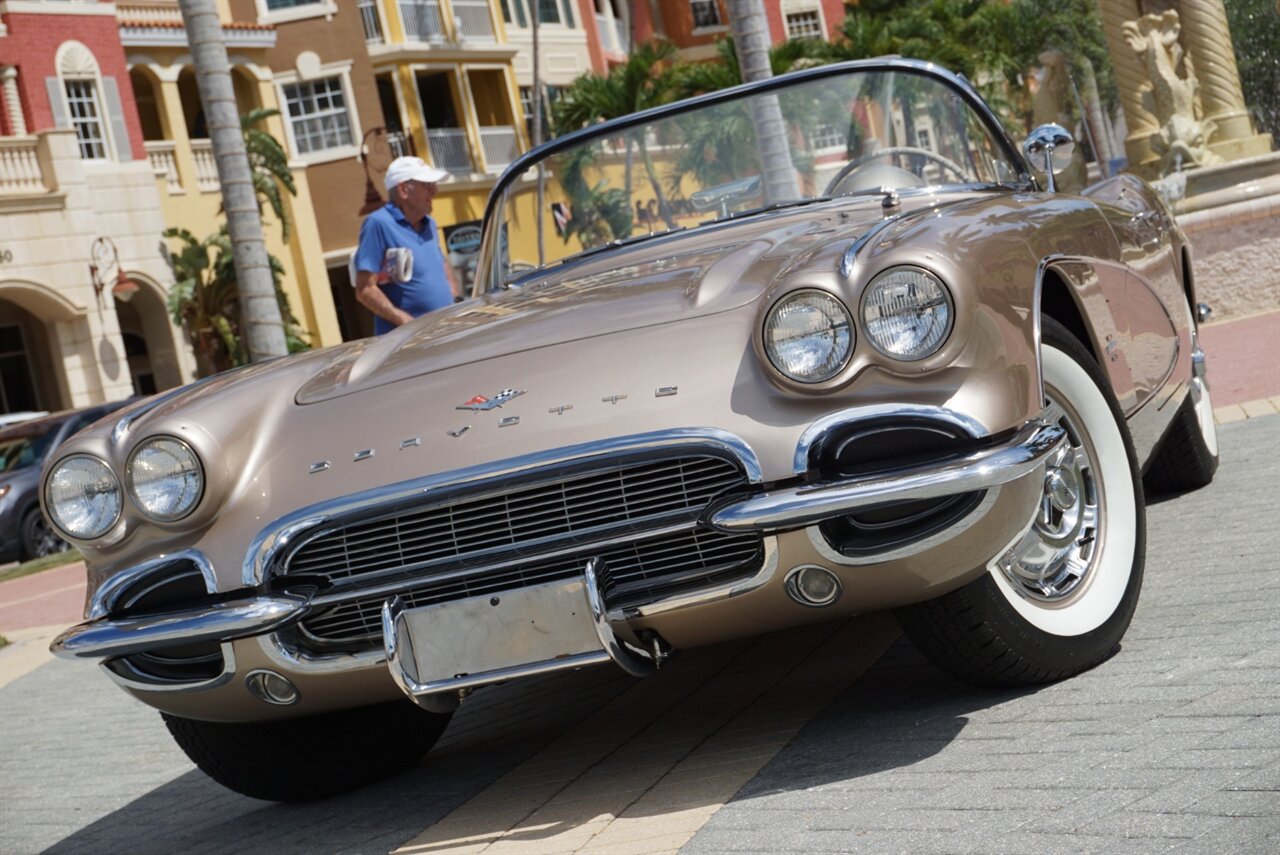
(669, 278)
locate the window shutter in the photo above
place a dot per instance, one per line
(119, 130)
(57, 102)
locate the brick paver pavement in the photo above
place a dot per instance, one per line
(1173, 745)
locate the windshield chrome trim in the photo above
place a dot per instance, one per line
(270, 546)
(614, 126)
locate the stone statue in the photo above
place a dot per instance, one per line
(1171, 93)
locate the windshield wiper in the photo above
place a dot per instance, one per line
(773, 206)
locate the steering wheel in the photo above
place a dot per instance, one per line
(892, 151)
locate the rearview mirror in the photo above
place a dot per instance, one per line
(1049, 148)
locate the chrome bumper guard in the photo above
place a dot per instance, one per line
(436, 652)
(106, 637)
(812, 503)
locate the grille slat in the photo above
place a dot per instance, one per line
(475, 529)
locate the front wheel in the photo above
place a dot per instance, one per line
(1058, 599)
(303, 759)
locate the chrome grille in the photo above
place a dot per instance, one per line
(633, 572)
(567, 507)
(640, 515)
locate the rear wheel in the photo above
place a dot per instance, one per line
(1058, 599)
(310, 758)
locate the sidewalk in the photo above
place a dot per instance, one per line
(1244, 366)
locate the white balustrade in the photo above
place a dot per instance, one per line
(399, 144)
(149, 12)
(422, 20)
(20, 166)
(449, 150)
(500, 146)
(160, 155)
(206, 166)
(473, 20)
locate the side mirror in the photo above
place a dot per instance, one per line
(1049, 148)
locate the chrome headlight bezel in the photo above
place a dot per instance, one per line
(144, 503)
(841, 329)
(52, 506)
(932, 344)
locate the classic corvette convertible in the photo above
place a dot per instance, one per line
(824, 344)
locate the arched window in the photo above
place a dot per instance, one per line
(80, 98)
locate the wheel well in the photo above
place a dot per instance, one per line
(1056, 303)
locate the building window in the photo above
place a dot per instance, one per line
(370, 21)
(86, 117)
(318, 114)
(706, 13)
(827, 136)
(274, 5)
(804, 25)
(548, 12)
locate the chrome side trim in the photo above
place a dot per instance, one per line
(823, 548)
(817, 430)
(768, 567)
(217, 622)
(269, 545)
(109, 592)
(979, 470)
(147, 683)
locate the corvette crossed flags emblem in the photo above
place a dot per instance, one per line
(480, 403)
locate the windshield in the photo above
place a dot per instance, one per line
(859, 131)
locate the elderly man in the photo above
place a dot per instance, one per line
(400, 271)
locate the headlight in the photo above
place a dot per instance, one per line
(808, 336)
(164, 478)
(906, 313)
(82, 497)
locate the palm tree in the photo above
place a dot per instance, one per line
(264, 330)
(643, 81)
(751, 40)
(269, 166)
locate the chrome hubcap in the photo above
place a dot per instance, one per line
(1053, 558)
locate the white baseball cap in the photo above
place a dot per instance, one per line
(404, 169)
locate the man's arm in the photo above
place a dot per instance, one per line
(375, 299)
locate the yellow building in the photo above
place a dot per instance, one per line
(180, 153)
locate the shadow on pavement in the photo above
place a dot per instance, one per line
(898, 713)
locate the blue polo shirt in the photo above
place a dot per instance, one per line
(427, 289)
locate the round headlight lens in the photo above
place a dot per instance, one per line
(164, 478)
(83, 497)
(808, 336)
(906, 313)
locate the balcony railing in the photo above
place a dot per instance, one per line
(164, 12)
(163, 162)
(473, 21)
(20, 166)
(500, 146)
(422, 20)
(449, 150)
(206, 166)
(369, 19)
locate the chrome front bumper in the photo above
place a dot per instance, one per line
(778, 510)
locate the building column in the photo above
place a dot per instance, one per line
(13, 101)
(176, 120)
(1130, 78)
(1208, 40)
